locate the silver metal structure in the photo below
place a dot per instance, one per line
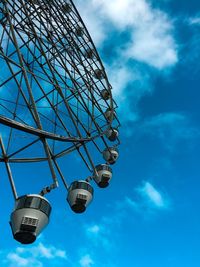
(55, 98)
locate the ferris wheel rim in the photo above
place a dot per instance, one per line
(47, 134)
(94, 85)
(42, 133)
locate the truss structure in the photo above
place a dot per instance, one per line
(54, 91)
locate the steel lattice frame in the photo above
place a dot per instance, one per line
(50, 88)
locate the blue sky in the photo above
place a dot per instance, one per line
(149, 216)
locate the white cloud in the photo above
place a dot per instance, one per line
(191, 44)
(120, 77)
(94, 229)
(129, 85)
(131, 203)
(86, 261)
(152, 39)
(20, 250)
(60, 254)
(153, 197)
(146, 200)
(91, 18)
(47, 252)
(16, 259)
(32, 256)
(194, 20)
(99, 235)
(147, 46)
(155, 47)
(123, 12)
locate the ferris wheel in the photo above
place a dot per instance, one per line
(55, 99)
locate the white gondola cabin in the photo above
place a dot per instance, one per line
(29, 218)
(111, 155)
(80, 195)
(103, 175)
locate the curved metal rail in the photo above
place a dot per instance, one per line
(55, 78)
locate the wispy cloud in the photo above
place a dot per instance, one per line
(192, 24)
(152, 197)
(86, 261)
(151, 30)
(33, 256)
(194, 20)
(146, 201)
(130, 84)
(15, 260)
(48, 252)
(152, 40)
(147, 46)
(99, 235)
(94, 229)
